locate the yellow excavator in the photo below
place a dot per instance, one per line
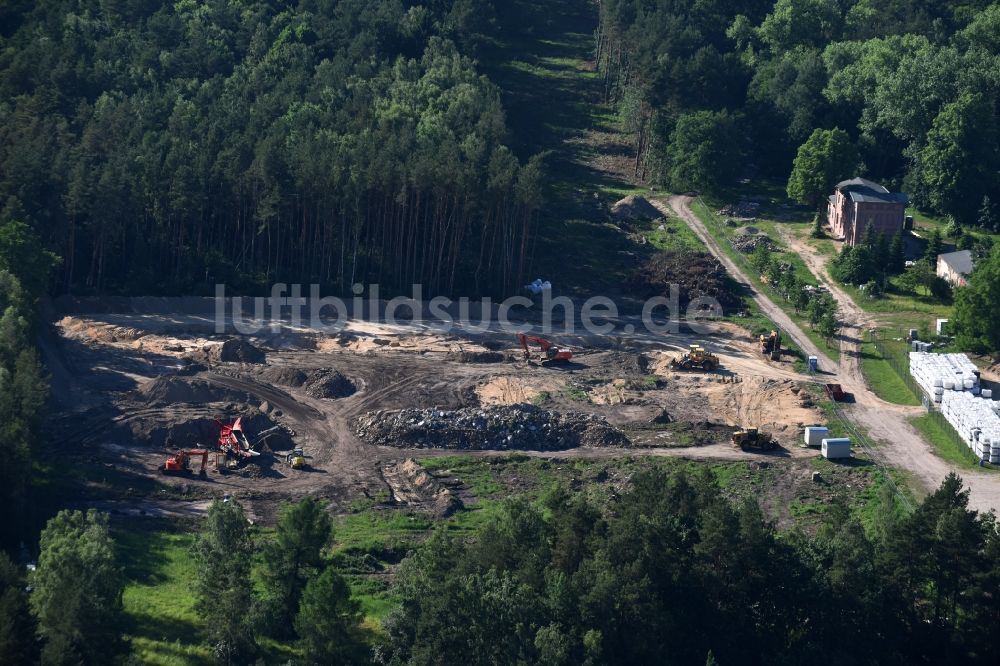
(696, 357)
(752, 439)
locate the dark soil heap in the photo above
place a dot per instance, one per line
(170, 390)
(283, 376)
(478, 357)
(696, 274)
(330, 384)
(238, 350)
(524, 427)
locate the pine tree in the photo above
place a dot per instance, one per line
(77, 596)
(222, 555)
(329, 621)
(896, 262)
(934, 246)
(292, 558)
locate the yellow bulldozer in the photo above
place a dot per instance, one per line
(752, 439)
(770, 345)
(696, 357)
(297, 459)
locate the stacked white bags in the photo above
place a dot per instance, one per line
(940, 373)
(977, 421)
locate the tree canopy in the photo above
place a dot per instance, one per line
(976, 321)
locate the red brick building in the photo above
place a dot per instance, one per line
(858, 202)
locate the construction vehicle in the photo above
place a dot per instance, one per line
(696, 357)
(234, 442)
(770, 345)
(297, 459)
(751, 439)
(835, 392)
(180, 462)
(551, 353)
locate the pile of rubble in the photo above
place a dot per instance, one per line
(743, 209)
(747, 243)
(497, 428)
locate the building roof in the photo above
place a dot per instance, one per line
(867, 191)
(960, 262)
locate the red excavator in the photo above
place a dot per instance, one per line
(180, 463)
(549, 350)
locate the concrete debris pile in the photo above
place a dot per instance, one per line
(743, 209)
(519, 426)
(635, 208)
(940, 373)
(747, 243)
(238, 350)
(329, 384)
(977, 421)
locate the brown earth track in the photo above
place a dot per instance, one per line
(900, 445)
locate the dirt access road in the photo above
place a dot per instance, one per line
(900, 445)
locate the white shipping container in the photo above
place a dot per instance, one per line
(836, 447)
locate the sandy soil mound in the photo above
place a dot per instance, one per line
(497, 428)
(635, 208)
(511, 390)
(238, 350)
(171, 390)
(330, 384)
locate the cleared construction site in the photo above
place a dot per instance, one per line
(158, 394)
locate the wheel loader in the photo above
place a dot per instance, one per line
(751, 439)
(696, 358)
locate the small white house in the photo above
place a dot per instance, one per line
(836, 447)
(955, 267)
(815, 435)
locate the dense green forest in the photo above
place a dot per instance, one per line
(162, 147)
(151, 147)
(717, 90)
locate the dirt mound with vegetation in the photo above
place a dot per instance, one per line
(519, 426)
(634, 208)
(696, 274)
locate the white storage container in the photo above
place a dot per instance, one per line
(814, 435)
(836, 447)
